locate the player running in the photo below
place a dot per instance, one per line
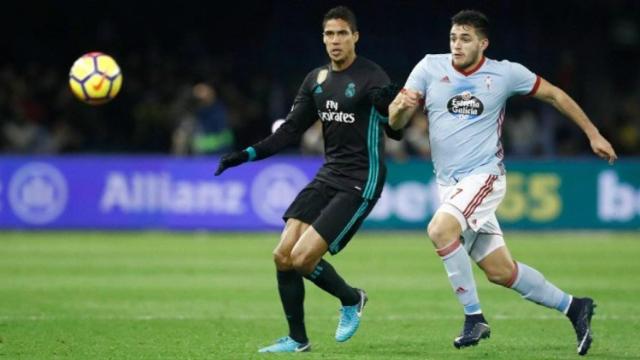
(464, 96)
(350, 95)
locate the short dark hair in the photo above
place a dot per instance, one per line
(475, 18)
(342, 13)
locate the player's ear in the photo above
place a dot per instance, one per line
(356, 36)
(484, 44)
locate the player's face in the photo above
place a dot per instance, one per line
(466, 46)
(339, 41)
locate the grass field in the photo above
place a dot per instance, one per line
(213, 296)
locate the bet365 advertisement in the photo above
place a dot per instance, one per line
(182, 194)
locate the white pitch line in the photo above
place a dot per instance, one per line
(277, 317)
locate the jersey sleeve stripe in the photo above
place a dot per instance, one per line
(374, 155)
(372, 147)
(252, 153)
(370, 175)
(534, 90)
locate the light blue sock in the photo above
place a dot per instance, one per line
(532, 285)
(458, 265)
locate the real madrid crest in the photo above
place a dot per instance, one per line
(350, 91)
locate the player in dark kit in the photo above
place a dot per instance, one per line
(350, 96)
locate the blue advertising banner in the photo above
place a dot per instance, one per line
(146, 192)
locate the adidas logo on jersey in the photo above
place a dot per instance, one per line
(445, 79)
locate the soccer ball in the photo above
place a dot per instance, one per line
(95, 78)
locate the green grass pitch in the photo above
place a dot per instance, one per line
(153, 295)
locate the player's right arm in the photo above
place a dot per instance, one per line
(406, 104)
(403, 108)
(302, 115)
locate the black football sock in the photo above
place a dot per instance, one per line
(326, 277)
(291, 289)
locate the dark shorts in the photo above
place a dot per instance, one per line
(335, 214)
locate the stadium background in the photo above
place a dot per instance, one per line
(255, 54)
(201, 79)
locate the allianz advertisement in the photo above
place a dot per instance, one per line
(182, 194)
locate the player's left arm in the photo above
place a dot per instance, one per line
(395, 134)
(300, 118)
(381, 93)
(404, 108)
(555, 96)
(381, 98)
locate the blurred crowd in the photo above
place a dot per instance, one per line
(161, 109)
(164, 112)
(192, 95)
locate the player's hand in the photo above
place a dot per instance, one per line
(403, 108)
(603, 148)
(231, 160)
(408, 99)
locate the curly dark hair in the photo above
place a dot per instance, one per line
(474, 18)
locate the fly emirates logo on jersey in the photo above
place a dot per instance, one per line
(332, 113)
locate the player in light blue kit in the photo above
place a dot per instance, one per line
(464, 96)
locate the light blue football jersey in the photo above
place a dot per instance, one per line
(466, 111)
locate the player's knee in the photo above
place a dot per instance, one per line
(501, 275)
(439, 234)
(303, 262)
(282, 260)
